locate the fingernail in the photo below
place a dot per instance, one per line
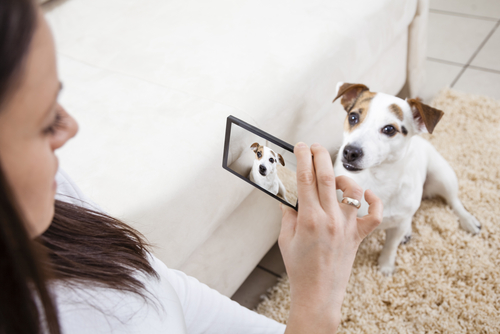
(300, 145)
(315, 145)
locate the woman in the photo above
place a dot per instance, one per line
(67, 268)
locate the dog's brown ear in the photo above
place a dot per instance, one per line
(255, 147)
(280, 158)
(349, 93)
(424, 114)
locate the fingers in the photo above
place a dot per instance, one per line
(369, 222)
(350, 189)
(288, 223)
(306, 179)
(325, 177)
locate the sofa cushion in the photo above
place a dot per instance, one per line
(151, 83)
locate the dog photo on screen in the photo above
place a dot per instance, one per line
(264, 164)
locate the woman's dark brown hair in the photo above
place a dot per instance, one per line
(81, 246)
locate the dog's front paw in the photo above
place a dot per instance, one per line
(470, 224)
(387, 270)
(385, 265)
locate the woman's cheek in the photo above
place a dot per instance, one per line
(38, 190)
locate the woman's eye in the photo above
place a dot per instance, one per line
(56, 125)
(389, 130)
(353, 118)
(259, 154)
(271, 160)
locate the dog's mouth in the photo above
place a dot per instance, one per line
(262, 173)
(351, 168)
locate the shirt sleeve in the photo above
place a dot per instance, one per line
(208, 311)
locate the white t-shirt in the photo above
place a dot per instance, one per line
(178, 303)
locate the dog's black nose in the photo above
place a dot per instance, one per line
(262, 169)
(352, 153)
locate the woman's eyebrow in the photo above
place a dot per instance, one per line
(54, 101)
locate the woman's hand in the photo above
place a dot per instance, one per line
(319, 242)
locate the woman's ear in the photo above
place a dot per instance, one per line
(280, 158)
(425, 117)
(349, 93)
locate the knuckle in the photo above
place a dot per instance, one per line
(356, 190)
(306, 177)
(310, 221)
(327, 179)
(377, 219)
(311, 225)
(332, 228)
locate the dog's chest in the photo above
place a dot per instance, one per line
(268, 182)
(400, 204)
(401, 197)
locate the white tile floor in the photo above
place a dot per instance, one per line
(463, 53)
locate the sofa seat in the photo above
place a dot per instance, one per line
(151, 83)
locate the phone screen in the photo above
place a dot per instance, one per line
(262, 160)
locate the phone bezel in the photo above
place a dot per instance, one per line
(234, 120)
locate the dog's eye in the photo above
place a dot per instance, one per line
(259, 154)
(271, 160)
(389, 130)
(353, 118)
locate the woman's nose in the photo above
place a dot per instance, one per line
(67, 131)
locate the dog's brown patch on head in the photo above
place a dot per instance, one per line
(360, 108)
(258, 150)
(274, 155)
(396, 110)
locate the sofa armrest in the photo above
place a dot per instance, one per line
(417, 48)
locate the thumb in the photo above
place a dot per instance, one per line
(368, 223)
(288, 223)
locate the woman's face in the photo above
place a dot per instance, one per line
(32, 126)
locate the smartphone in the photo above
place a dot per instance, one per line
(261, 160)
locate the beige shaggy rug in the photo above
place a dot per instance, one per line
(447, 281)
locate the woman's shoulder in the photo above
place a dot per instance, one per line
(86, 307)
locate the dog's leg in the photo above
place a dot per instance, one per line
(393, 237)
(407, 237)
(442, 180)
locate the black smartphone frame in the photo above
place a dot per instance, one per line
(236, 121)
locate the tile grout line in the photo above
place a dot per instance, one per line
(478, 17)
(268, 271)
(475, 53)
(479, 68)
(437, 60)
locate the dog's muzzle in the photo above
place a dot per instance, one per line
(351, 156)
(262, 170)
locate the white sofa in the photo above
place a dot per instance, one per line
(151, 83)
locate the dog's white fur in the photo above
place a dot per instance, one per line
(268, 179)
(400, 170)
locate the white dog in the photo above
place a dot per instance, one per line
(264, 170)
(382, 152)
